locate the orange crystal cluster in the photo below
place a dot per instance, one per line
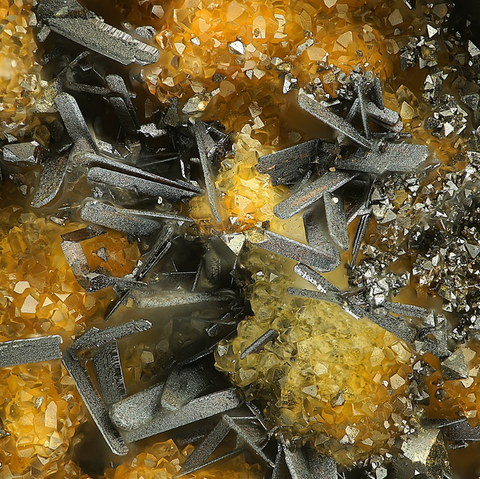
(233, 54)
(164, 459)
(20, 82)
(338, 382)
(38, 292)
(40, 410)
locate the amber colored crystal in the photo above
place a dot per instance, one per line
(165, 459)
(20, 82)
(237, 53)
(338, 382)
(39, 293)
(40, 410)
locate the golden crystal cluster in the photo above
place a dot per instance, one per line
(20, 82)
(338, 382)
(41, 411)
(227, 58)
(165, 459)
(38, 291)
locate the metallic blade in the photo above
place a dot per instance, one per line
(331, 119)
(198, 409)
(109, 373)
(94, 403)
(30, 350)
(94, 337)
(311, 193)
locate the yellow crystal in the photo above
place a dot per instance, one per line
(328, 378)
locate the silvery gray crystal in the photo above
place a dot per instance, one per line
(165, 299)
(140, 186)
(311, 193)
(124, 109)
(138, 409)
(74, 122)
(280, 470)
(259, 343)
(360, 235)
(109, 373)
(94, 403)
(51, 179)
(150, 130)
(426, 451)
(198, 409)
(251, 438)
(455, 367)
(321, 112)
(185, 384)
(406, 309)
(22, 154)
(94, 337)
(336, 220)
(321, 467)
(377, 93)
(204, 450)
(357, 312)
(385, 117)
(202, 138)
(291, 249)
(385, 157)
(30, 350)
(297, 462)
(158, 251)
(359, 86)
(461, 431)
(81, 26)
(315, 278)
(257, 413)
(289, 165)
(318, 238)
(89, 159)
(132, 222)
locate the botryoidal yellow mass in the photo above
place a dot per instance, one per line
(340, 383)
(246, 197)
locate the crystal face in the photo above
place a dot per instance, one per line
(239, 238)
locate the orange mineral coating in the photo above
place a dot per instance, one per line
(164, 459)
(20, 82)
(39, 294)
(40, 409)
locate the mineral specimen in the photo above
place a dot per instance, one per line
(363, 375)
